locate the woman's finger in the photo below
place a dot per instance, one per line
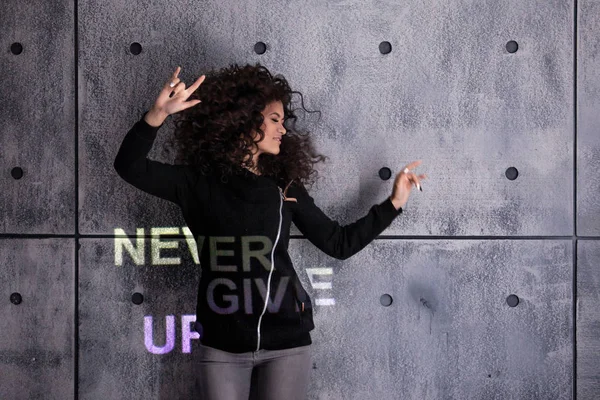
(174, 79)
(178, 88)
(190, 103)
(196, 85)
(413, 164)
(412, 177)
(171, 85)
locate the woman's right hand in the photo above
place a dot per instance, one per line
(166, 104)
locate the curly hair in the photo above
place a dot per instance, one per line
(217, 133)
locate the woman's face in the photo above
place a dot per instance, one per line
(273, 129)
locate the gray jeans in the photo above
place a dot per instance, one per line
(259, 375)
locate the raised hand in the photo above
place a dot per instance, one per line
(172, 98)
(404, 182)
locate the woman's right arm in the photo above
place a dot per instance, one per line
(167, 181)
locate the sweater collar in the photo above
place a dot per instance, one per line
(251, 179)
(248, 180)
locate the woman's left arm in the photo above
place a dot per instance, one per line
(329, 236)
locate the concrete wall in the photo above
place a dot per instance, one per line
(449, 93)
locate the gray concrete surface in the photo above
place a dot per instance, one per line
(449, 93)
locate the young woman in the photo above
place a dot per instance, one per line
(239, 180)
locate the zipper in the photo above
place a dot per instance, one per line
(281, 197)
(297, 298)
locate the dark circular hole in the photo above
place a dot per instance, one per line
(16, 48)
(260, 48)
(137, 298)
(16, 298)
(512, 300)
(16, 172)
(512, 173)
(385, 173)
(512, 46)
(385, 300)
(385, 47)
(135, 48)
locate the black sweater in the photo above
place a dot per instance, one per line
(242, 230)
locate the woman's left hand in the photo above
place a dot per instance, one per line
(404, 183)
